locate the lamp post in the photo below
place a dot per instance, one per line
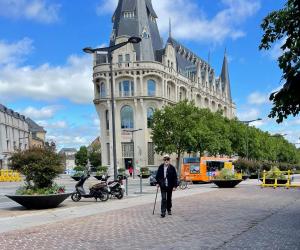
(132, 131)
(109, 50)
(247, 138)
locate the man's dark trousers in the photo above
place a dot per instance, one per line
(166, 200)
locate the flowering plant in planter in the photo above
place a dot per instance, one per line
(275, 173)
(225, 174)
(39, 166)
(102, 170)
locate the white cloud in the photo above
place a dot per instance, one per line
(258, 98)
(276, 50)
(72, 81)
(43, 113)
(13, 53)
(190, 22)
(248, 114)
(37, 10)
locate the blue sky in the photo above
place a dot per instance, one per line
(45, 75)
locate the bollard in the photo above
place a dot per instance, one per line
(288, 183)
(264, 179)
(141, 183)
(126, 186)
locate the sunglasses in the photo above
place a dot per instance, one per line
(166, 159)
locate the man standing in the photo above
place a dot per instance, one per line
(167, 181)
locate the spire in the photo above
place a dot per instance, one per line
(170, 28)
(225, 75)
(138, 18)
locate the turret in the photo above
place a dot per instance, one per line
(138, 18)
(225, 77)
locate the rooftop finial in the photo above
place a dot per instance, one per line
(170, 27)
(208, 59)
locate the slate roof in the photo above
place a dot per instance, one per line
(143, 10)
(11, 112)
(33, 127)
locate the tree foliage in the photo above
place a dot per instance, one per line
(185, 128)
(40, 166)
(173, 128)
(94, 155)
(284, 25)
(81, 157)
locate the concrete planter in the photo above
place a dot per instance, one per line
(226, 183)
(39, 201)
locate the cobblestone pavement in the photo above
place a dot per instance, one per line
(246, 217)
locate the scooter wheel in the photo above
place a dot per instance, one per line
(120, 195)
(76, 197)
(104, 196)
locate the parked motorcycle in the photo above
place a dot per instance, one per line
(115, 187)
(97, 191)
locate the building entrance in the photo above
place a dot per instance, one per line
(128, 163)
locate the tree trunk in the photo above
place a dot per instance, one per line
(178, 167)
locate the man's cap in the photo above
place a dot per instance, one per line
(166, 156)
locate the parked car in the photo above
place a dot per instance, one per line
(152, 180)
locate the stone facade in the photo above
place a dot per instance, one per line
(14, 134)
(68, 157)
(172, 73)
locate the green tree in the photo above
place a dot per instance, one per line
(172, 128)
(94, 155)
(81, 157)
(284, 25)
(40, 166)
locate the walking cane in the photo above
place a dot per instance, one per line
(155, 199)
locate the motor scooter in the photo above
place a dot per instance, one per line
(115, 187)
(97, 191)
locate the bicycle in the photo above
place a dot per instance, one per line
(183, 183)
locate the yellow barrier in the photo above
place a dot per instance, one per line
(276, 184)
(9, 176)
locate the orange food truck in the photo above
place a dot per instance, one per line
(203, 169)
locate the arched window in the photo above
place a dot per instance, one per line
(107, 119)
(151, 88)
(127, 117)
(126, 88)
(102, 90)
(150, 112)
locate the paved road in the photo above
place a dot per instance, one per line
(69, 183)
(246, 217)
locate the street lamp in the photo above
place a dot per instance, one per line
(109, 50)
(132, 131)
(247, 138)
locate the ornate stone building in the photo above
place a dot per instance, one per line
(14, 134)
(148, 76)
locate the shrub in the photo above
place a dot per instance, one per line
(78, 174)
(55, 189)
(102, 169)
(121, 171)
(39, 166)
(275, 173)
(225, 174)
(79, 168)
(145, 171)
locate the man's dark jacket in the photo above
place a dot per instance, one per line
(171, 176)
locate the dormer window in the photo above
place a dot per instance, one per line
(152, 18)
(145, 33)
(129, 14)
